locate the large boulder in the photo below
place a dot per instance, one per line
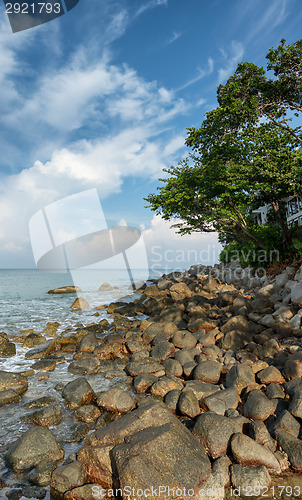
(167, 456)
(80, 303)
(31, 448)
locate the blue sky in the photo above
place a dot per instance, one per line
(101, 98)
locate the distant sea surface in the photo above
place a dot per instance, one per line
(25, 303)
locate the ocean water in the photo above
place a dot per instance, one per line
(25, 303)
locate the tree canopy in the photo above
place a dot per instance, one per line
(246, 153)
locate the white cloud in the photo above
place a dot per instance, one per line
(175, 36)
(201, 73)
(151, 4)
(231, 60)
(166, 249)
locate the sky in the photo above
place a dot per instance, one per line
(101, 98)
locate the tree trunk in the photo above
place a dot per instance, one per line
(281, 222)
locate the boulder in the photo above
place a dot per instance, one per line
(116, 400)
(172, 367)
(292, 446)
(31, 448)
(147, 365)
(87, 414)
(296, 295)
(215, 431)
(240, 376)
(43, 350)
(221, 401)
(201, 389)
(247, 452)
(270, 375)
(87, 492)
(258, 431)
(65, 289)
(286, 422)
(250, 479)
(106, 287)
(77, 393)
(33, 340)
(50, 415)
(162, 350)
(66, 477)
(184, 340)
(208, 371)
(236, 323)
(80, 303)
(167, 456)
(258, 406)
(164, 385)
(86, 365)
(143, 382)
(188, 404)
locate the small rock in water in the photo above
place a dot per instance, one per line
(80, 303)
(65, 289)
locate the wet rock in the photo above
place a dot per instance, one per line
(144, 461)
(143, 382)
(43, 349)
(8, 396)
(33, 340)
(13, 381)
(292, 446)
(31, 448)
(214, 432)
(65, 289)
(44, 365)
(184, 339)
(260, 434)
(106, 287)
(88, 414)
(250, 479)
(116, 400)
(148, 365)
(270, 375)
(221, 401)
(208, 371)
(7, 348)
(188, 404)
(41, 474)
(77, 393)
(40, 402)
(172, 367)
(87, 343)
(257, 406)
(247, 452)
(286, 422)
(86, 365)
(80, 303)
(240, 376)
(77, 433)
(50, 415)
(66, 477)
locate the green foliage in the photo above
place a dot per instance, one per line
(246, 154)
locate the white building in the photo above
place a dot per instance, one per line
(293, 206)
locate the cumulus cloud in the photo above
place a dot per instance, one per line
(167, 250)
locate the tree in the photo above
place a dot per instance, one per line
(245, 154)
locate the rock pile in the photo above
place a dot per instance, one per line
(207, 392)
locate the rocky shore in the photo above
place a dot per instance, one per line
(205, 400)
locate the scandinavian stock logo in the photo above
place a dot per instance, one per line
(72, 236)
(25, 15)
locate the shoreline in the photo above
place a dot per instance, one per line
(212, 355)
